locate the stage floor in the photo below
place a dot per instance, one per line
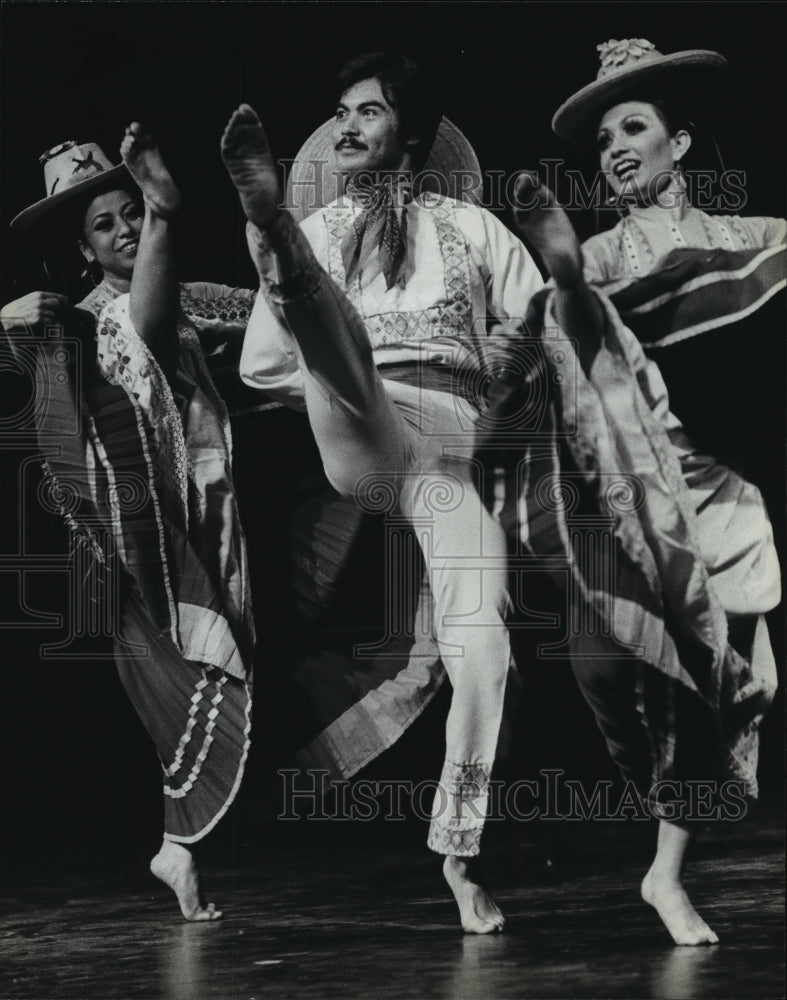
(336, 910)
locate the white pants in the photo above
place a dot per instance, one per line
(395, 446)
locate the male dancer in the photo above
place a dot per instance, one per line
(412, 281)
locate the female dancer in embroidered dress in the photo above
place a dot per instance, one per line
(183, 635)
(154, 299)
(726, 528)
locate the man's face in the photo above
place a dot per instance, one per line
(366, 132)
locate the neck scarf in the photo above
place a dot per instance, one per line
(381, 226)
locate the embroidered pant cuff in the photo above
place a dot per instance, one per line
(460, 808)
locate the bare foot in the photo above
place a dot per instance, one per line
(478, 912)
(143, 161)
(247, 157)
(546, 226)
(175, 866)
(669, 899)
(544, 223)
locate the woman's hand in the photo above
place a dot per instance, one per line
(32, 312)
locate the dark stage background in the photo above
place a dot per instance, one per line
(76, 763)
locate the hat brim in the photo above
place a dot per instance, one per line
(316, 179)
(695, 72)
(29, 217)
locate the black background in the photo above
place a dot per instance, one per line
(76, 760)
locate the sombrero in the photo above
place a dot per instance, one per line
(70, 170)
(316, 179)
(633, 66)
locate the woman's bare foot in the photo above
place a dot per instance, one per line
(545, 225)
(175, 866)
(248, 159)
(478, 912)
(668, 897)
(143, 161)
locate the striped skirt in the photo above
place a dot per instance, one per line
(198, 716)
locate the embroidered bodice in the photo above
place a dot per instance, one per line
(468, 273)
(468, 270)
(642, 239)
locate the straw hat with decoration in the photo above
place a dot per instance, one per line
(633, 69)
(71, 170)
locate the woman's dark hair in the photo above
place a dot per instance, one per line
(674, 120)
(406, 88)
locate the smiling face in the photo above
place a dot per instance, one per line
(110, 233)
(366, 133)
(637, 153)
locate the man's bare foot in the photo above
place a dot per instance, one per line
(143, 161)
(478, 912)
(544, 223)
(175, 866)
(668, 897)
(248, 159)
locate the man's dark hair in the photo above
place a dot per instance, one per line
(407, 90)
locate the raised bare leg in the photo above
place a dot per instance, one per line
(663, 889)
(545, 225)
(356, 426)
(154, 296)
(248, 159)
(144, 162)
(175, 866)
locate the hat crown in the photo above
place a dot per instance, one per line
(630, 65)
(70, 163)
(622, 54)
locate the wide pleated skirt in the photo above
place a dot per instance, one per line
(198, 717)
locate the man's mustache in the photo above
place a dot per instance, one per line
(351, 143)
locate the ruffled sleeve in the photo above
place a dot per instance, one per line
(758, 232)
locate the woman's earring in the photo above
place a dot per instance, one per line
(92, 271)
(679, 177)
